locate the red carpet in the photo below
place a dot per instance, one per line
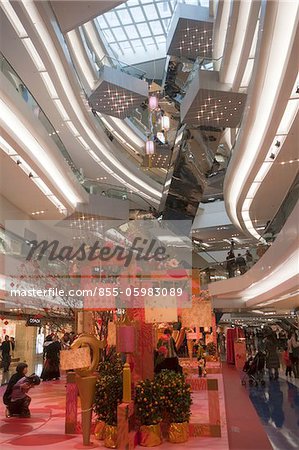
(245, 430)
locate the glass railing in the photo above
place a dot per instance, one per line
(233, 267)
(94, 187)
(286, 208)
(26, 95)
(199, 64)
(14, 246)
(119, 65)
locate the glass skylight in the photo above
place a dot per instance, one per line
(138, 28)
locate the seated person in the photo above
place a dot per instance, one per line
(15, 396)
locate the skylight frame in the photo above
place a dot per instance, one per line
(145, 48)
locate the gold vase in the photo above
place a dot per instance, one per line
(99, 430)
(178, 432)
(110, 436)
(150, 435)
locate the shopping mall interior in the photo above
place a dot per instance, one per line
(149, 289)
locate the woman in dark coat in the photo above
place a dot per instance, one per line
(51, 359)
(272, 358)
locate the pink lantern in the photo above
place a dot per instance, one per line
(126, 339)
(165, 122)
(149, 147)
(153, 102)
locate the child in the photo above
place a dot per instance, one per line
(287, 361)
(201, 367)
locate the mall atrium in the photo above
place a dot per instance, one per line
(149, 288)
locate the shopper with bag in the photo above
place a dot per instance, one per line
(293, 349)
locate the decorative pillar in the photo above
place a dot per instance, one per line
(86, 382)
(144, 353)
(71, 403)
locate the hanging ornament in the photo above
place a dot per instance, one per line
(149, 147)
(6, 322)
(165, 123)
(153, 102)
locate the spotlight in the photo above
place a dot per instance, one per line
(272, 156)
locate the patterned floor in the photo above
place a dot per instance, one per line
(45, 428)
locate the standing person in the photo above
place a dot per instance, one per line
(51, 359)
(287, 361)
(272, 358)
(249, 259)
(6, 357)
(13, 346)
(293, 349)
(241, 263)
(66, 341)
(167, 353)
(231, 264)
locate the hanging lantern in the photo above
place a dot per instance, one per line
(153, 102)
(149, 147)
(165, 122)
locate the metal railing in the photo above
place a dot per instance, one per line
(95, 187)
(118, 65)
(222, 270)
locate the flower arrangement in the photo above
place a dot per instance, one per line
(109, 393)
(147, 402)
(175, 396)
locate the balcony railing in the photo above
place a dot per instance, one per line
(222, 270)
(94, 187)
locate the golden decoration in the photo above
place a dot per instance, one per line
(99, 430)
(178, 432)
(150, 435)
(110, 436)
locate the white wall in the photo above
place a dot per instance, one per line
(211, 215)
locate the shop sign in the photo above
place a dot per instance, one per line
(33, 322)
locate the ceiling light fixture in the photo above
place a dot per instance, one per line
(28, 170)
(38, 153)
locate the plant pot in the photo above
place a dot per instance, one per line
(150, 435)
(178, 432)
(110, 436)
(99, 430)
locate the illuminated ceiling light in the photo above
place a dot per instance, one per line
(13, 18)
(83, 142)
(94, 156)
(49, 85)
(8, 149)
(72, 128)
(149, 147)
(33, 53)
(42, 186)
(61, 110)
(28, 170)
(246, 204)
(153, 102)
(288, 116)
(37, 152)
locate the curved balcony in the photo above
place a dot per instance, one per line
(20, 87)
